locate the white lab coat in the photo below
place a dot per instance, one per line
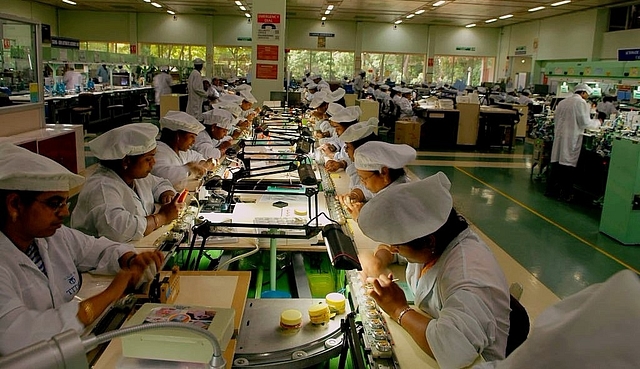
(173, 166)
(406, 110)
(358, 84)
(572, 117)
(324, 86)
(594, 328)
(108, 207)
(35, 307)
(525, 100)
(207, 146)
(71, 78)
(196, 95)
(467, 295)
(162, 85)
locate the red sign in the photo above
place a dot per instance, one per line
(268, 18)
(6, 43)
(267, 71)
(267, 52)
(133, 49)
(430, 62)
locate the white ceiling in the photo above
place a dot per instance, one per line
(452, 13)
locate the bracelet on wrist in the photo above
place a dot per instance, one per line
(402, 313)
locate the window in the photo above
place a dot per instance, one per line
(332, 65)
(408, 68)
(449, 69)
(111, 47)
(624, 17)
(176, 52)
(231, 61)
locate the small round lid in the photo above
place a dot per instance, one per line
(318, 309)
(335, 298)
(291, 317)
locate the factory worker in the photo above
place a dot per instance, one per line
(118, 199)
(455, 278)
(211, 142)
(368, 89)
(71, 78)
(511, 96)
(196, 93)
(524, 98)
(404, 104)
(312, 89)
(321, 102)
(396, 94)
(175, 160)
(354, 137)
(162, 86)
(329, 142)
(606, 106)
(217, 85)
(358, 83)
(247, 103)
(572, 117)
(340, 120)
(233, 104)
(104, 76)
(42, 259)
(212, 94)
(594, 328)
(321, 83)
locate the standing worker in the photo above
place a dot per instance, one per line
(196, 91)
(358, 83)
(162, 86)
(104, 76)
(572, 117)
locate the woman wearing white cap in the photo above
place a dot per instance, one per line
(233, 104)
(117, 201)
(42, 259)
(340, 119)
(454, 276)
(175, 160)
(404, 104)
(211, 141)
(196, 93)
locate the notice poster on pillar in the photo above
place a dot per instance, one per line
(268, 27)
(266, 71)
(267, 52)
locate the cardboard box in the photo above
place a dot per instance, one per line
(408, 132)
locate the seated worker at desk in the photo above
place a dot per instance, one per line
(118, 199)
(524, 98)
(454, 276)
(404, 103)
(211, 142)
(42, 259)
(378, 165)
(246, 104)
(232, 104)
(175, 160)
(341, 118)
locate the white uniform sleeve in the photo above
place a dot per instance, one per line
(160, 186)
(95, 255)
(583, 117)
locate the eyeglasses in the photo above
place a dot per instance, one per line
(55, 204)
(363, 179)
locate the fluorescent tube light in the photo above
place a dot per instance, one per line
(238, 3)
(156, 5)
(491, 20)
(410, 16)
(69, 2)
(171, 12)
(330, 7)
(470, 25)
(243, 8)
(419, 12)
(506, 16)
(536, 8)
(398, 21)
(561, 3)
(441, 2)
(247, 15)
(327, 11)
(323, 18)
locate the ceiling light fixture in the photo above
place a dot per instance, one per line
(438, 3)
(561, 3)
(410, 16)
(398, 21)
(470, 25)
(147, 1)
(247, 15)
(171, 12)
(243, 8)
(491, 20)
(323, 18)
(506, 16)
(536, 8)
(327, 12)
(330, 7)
(419, 12)
(69, 2)
(238, 3)
(156, 5)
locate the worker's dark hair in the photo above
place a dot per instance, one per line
(116, 164)
(168, 136)
(26, 198)
(609, 99)
(438, 241)
(364, 140)
(396, 173)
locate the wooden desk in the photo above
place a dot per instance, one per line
(216, 289)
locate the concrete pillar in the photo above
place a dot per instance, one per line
(268, 41)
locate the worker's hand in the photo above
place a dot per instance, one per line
(167, 196)
(354, 208)
(244, 124)
(209, 164)
(376, 262)
(224, 145)
(144, 259)
(356, 195)
(333, 165)
(196, 169)
(388, 295)
(170, 210)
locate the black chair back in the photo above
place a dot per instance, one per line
(519, 325)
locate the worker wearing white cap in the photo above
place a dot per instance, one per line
(396, 94)
(594, 328)
(340, 120)
(455, 278)
(42, 259)
(511, 96)
(572, 117)
(196, 93)
(118, 199)
(524, 98)
(321, 83)
(175, 160)
(162, 86)
(381, 164)
(404, 104)
(358, 83)
(211, 141)
(212, 94)
(247, 103)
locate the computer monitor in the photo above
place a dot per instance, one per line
(294, 98)
(596, 91)
(121, 79)
(624, 95)
(540, 89)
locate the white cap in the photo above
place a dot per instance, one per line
(230, 99)
(219, 117)
(406, 90)
(334, 109)
(164, 67)
(130, 139)
(325, 126)
(335, 95)
(526, 91)
(311, 86)
(583, 87)
(384, 87)
(397, 88)
(248, 96)
(346, 115)
(359, 130)
(316, 76)
(418, 208)
(181, 121)
(243, 87)
(318, 99)
(23, 170)
(198, 61)
(232, 80)
(373, 156)
(234, 109)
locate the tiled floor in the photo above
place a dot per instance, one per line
(541, 242)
